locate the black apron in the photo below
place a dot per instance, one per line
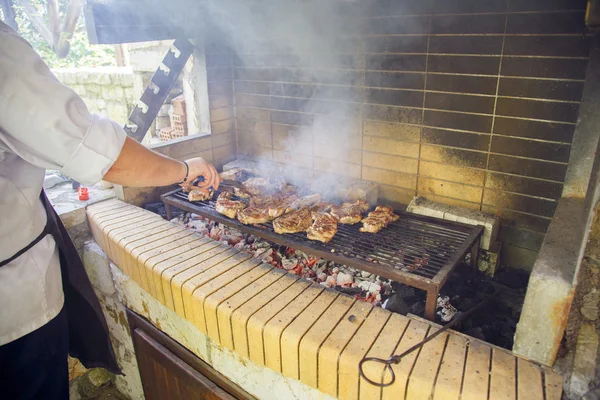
(88, 332)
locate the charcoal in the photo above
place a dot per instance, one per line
(352, 291)
(396, 303)
(418, 308)
(476, 333)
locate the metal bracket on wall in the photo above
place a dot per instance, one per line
(158, 89)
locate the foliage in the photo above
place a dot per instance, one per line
(81, 54)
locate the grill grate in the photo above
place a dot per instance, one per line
(416, 250)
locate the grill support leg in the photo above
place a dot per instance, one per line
(475, 254)
(430, 304)
(169, 211)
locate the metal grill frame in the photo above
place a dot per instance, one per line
(431, 284)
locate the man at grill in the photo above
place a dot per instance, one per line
(48, 307)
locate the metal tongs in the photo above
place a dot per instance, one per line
(395, 359)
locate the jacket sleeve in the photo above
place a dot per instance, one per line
(47, 123)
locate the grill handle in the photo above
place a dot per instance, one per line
(395, 359)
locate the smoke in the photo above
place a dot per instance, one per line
(309, 55)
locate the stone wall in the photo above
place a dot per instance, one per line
(108, 91)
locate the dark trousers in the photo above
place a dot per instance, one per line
(35, 365)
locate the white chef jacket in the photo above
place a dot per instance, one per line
(43, 124)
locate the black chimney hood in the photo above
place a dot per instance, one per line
(128, 21)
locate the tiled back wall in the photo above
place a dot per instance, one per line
(472, 103)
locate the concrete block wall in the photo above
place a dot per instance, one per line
(107, 91)
(468, 103)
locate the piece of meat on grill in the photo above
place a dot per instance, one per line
(295, 221)
(252, 215)
(306, 201)
(378, 219)
(324, 227)
(228, 207)
(363, 205)
(347, 213)
(200, 195)
(322, 206)
(234, 174)
(240, 192)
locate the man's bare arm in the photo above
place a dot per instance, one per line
(140, 166)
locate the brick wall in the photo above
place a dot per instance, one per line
(472, 103)
(219, 73)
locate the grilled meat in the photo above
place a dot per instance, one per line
(228, 207)
(200, 195)
(263, 186)
(323, 228)
(252, 215)
(322, 206)
(296, 221)
(378, 219)
(306, 201)
(234, 174)
(243, 193)
(363, 205)
(256, 186)
(347, 213)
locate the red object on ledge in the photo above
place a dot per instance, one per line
(83, 193)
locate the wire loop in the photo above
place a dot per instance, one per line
(388, 364)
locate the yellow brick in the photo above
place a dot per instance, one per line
(396, 195)
(218, 127)
(105, 227)
(184, 284)
(139, 219)
(172, 260)
(257, 322)
(251, 139)
(273, 329)
(448, 382)
(451, 173)
(256, 114)
(293, 159)
(281, 289)
(475, 382)
(391, 178)
(459, 191)
(293, 333)
(200, 294)
(407, 133)
(339, 153)
(415, 333)
(390, 146)
(338, 167)
(222, 139)
(219, 114)
(356, 350)
(125, 220)
(553, 384)
(170, 246)
(383, 347)
(318, 333)
(174, 278)
(255, 279)
(149, 221)
(330, 351)
(227, 308)
(329, 124)
(529, 380)
(135, 248)
(422, 378)
(502, 377)
(393, 163)
(139, 237)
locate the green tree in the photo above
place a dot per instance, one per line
(81, 54)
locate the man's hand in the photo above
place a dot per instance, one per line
(200, 168)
